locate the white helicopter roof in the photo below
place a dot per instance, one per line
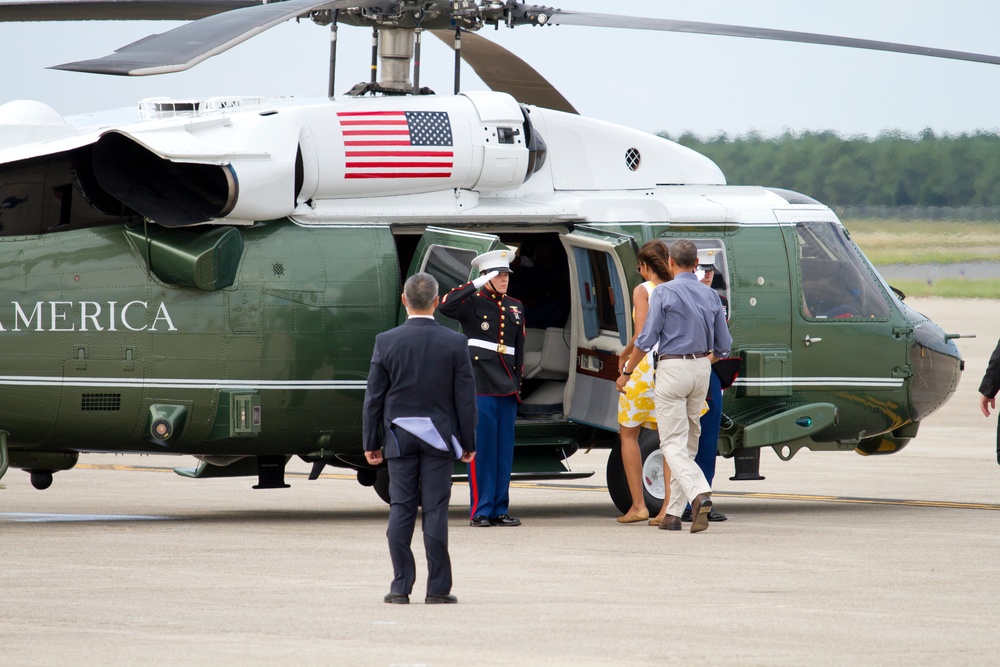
(592, 170)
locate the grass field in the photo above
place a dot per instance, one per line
(926, 242)
(952, 288)
(932, 242)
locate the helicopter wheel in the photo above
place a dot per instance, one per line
(381, 484)
(653, 482)
(41, 479)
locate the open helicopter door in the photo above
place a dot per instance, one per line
(447, 255)
(603, 275)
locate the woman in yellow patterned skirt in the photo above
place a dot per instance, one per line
(635, 407)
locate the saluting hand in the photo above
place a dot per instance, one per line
(482, 280)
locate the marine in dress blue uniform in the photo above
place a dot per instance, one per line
(494, 325)
(711, 421)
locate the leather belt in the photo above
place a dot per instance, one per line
(486, 345)
(693, 355)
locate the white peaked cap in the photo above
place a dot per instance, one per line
(494, 260)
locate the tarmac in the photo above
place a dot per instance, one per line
(833, 559)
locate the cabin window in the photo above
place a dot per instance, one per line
(600, 293)
(836, 282)
(712, 252)
(449, 266)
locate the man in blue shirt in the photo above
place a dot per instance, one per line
(688, 321)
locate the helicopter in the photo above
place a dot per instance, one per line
(206, 276)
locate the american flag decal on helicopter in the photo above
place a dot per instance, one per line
(397, 144)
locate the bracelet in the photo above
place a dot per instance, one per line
(626, 373)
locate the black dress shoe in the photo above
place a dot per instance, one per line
(505, 520)
(480, 521)
(712, 515)
(397, 598)
(440, 599)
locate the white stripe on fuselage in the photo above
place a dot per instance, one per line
(179, 383)
(193, 383)
(820, 382)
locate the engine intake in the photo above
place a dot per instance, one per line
(172, 194)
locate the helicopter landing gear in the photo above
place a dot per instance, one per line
(653, 482)
(367, 477)
(41, 479)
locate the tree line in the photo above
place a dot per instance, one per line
(893, 169)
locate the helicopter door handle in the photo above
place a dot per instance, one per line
(809, 341)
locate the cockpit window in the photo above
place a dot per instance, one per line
(836, 282)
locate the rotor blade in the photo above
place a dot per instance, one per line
(561, 17)
(502, 71)
(187, 45)
(117, 10)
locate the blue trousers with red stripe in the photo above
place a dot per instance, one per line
(489, 472)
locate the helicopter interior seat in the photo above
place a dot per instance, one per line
(546, 354)
(549, 362)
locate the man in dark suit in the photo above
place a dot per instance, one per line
(420, 407)
(989, 388)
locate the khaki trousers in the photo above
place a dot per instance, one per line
(681, 388)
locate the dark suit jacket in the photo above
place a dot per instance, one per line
(420, 369)
(991, 380)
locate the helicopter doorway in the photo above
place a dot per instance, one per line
(447, 255)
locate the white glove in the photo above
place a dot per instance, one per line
(482, 280)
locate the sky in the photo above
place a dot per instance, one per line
(653, 81)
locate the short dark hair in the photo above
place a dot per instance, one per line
(684, 253)
(420, 291)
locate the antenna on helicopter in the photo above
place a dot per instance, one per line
(374, 65)
(419, 16)
(458, 58)
(329, 17)
(333, 53)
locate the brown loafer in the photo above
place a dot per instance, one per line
(700, 508)
(670, 523)
(634, 517)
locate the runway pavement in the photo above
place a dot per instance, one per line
(833, 559)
